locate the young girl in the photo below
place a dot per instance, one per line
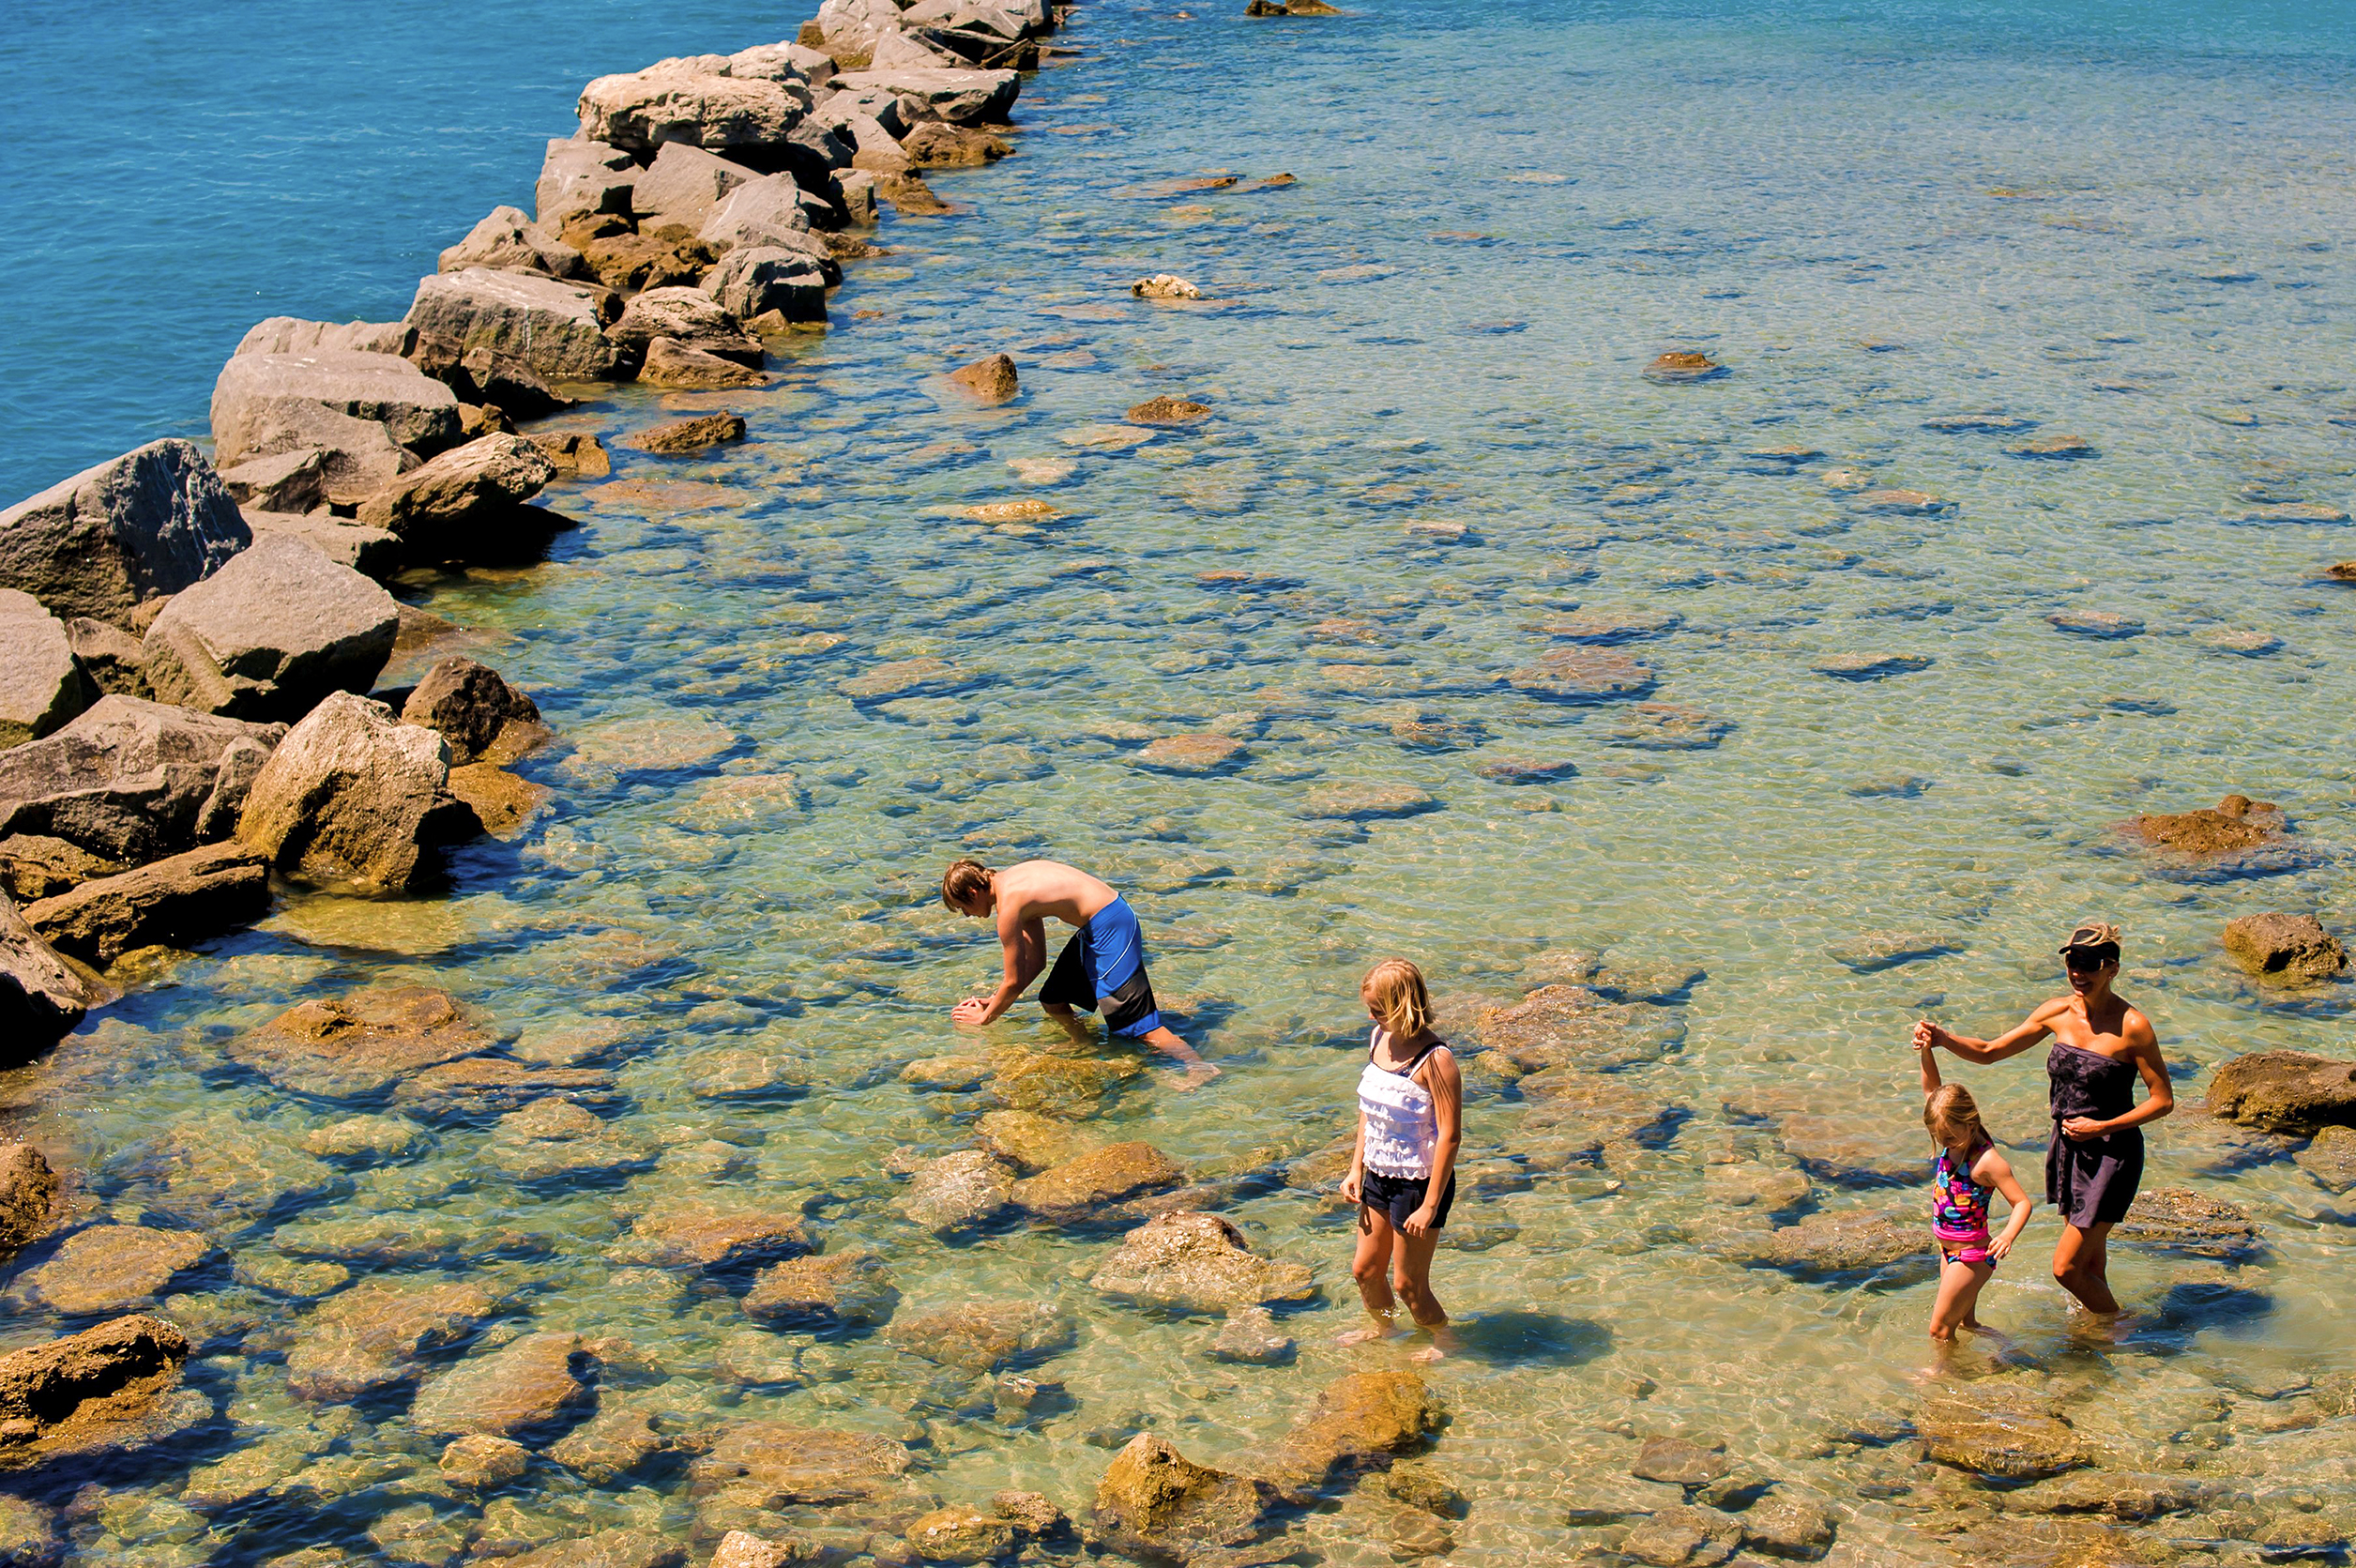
(1402, 1172)
(1967, 1168)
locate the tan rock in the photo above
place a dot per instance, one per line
(1153, 1502)
(690, 435)
(1032, 1142)
(1167, 411)
(1190, 753)
(852, 1287)
(114, 1386)
(2285, 1092)
(957, 1191)
(112, 1268)
(171, 902)
(481, 1463)
(521, 1385)
(1360, 1421)
(2235, 823)
(28, 1189)
(672, 364)
(1683, 365)
(1197, 1263)
(984, 1336)
(992, 381)
(694, 1233)
(370, 1337)
(361, 1045)
(960, 1534)
(2289, 949)
(1079, 1190)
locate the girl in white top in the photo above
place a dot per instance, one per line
(1401, 1175)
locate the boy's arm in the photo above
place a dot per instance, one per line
(1023, 943)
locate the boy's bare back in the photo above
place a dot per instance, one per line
(1029, 889)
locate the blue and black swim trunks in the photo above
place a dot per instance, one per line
(1104, 966)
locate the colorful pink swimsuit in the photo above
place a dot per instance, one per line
(1959, 1208)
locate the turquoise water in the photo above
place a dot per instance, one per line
(1431, 448)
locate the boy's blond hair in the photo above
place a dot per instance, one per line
(1393, 989)
(963, 881)
(1954, 1117)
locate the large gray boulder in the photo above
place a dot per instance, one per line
(509, 241)
(294, 335)
(580, 178)
(256, 393)
(844, 108)
(691, 318)
(464, 503)
(134, 528)
(306, 455)
(42, 683)
(351, 799)
(903, 50)
(553, 328)
(132, 780)
(774, 212)
(959, 97)
(752, 280)
(854, 27)
(698, 100)
(369, 551)
(110, 656)
(682, 186)
(42, 996)
(270, 634)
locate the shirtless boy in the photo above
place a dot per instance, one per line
(2100, 1047)
(1102, 965)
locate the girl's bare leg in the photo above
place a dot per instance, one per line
(1411, 1274)
(1371, 1266)
(1958, 1296)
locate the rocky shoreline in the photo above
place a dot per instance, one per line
(194, 720)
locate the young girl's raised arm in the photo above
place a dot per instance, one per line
(1929, 1058)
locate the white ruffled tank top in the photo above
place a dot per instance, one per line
(1401, 1128)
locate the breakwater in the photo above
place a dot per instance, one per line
(1821, 848)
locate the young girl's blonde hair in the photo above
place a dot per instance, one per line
(1954, 1117)
(1394, 990)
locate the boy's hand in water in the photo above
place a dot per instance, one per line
(973, 1009)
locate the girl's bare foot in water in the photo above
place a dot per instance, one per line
(1362, 1336)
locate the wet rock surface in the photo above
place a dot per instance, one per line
(42, 996)
(361, 1045)
(958, 1192)
(1892, 1247)
(1197, 1263)
(2193, 1225)
(984, 1336)
(2285, 1092)
(114, 1386)
(111, 1268)
(1084, 1189)
(173, 902)
(353, 799)
(853, 1288)
(519, 1388)
(479, 716)
(1153, 1502)
(373, 1334)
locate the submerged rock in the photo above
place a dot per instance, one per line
(481, 1463)
(112, 1268)
(1077, 1192)
(957, 1191)
(1683, 365)
(676, 365)
(1679, 1463)
(1197, 1263)
(270, 634)
(1572, 1026)
(1870, 666)
(353, 797)
(623, 1547)
(371, 1335)
(1999, 1430)
(2234, 824)
(695, 1233)
(1359, 1422)
(2292, 950)
(134, 528)
(2178, 1220)
(42, 683)
(611, 1444)
(960, 1534)
(984, 1336)
(1684, 1537)
(1892, 1248)
(2330, 1158)
(852, 1287)
(1659, 726)
(2100, 625)
(756, 1466)
(1190, 753)
(1251, 1336)
(114, 1386)
(1167, 411)
(1583, 676)
(690, 435)
(523, 1385)
(1351, 802)
(361, 1045)
(553, 1139)
(1165, 285)
(1153, 1502)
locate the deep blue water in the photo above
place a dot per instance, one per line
(177, 171)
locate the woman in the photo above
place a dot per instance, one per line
(1403, 1175)
(2100, 1047)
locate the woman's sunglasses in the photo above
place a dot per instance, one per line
(2084, 963)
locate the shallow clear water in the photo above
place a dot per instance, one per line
(2128, 227)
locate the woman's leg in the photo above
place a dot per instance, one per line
(1371, 1266)
(1412, 1260)
(1958, 1294)
(2081, 1263)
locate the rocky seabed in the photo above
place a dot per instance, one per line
(195, 658)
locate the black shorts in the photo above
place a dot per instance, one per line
(1398, 1197)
